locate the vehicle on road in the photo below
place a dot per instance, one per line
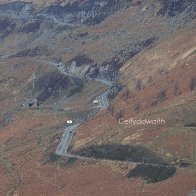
(95, 101)
(69, 121)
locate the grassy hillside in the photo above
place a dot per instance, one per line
(146, 48)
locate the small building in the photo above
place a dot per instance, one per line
(29, 103)
(95, 101)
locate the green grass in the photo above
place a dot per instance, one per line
(70, 147)
(69, 162)
(52, 157)
(192, 53)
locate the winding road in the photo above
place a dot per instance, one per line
(62, 148)
(69, 131)
(66, 139)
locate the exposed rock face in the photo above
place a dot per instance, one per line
(27, 11)
(172, 8)
(85, 12)
(7, 26)
(16, 9)
(89, 12)
(63, 28)
(87, 68)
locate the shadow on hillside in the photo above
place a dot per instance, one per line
(152, 174)
(121, 153)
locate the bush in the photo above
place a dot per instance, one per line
(69, 162)
(119, 114)
(137, 107)
(52, 157)
(176, 90)
(192, 53)
(153, 102)
(192, 84)
(111, 109)
(162, 95)
(190, 125)
(114, 90)
(126, 94)
(138, 85)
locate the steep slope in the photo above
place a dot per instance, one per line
(147, 48)
(108, 33)
(159, 77)
(159, 83)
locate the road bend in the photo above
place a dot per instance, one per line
(66, 139)
(62, 148)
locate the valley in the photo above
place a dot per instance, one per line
(93, 63)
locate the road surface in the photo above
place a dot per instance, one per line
(62, 148)
(103, 101)
(69, 131)
(66, 140)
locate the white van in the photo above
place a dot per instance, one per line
(69, 121)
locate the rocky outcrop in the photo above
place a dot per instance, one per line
(171, 8)
(85, 12)
(48, 31)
